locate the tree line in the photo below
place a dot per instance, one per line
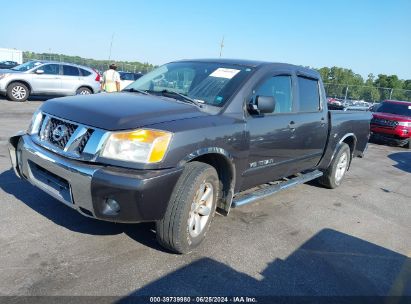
(344, 83)
(101, 65)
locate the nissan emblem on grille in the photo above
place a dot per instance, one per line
(59, 132)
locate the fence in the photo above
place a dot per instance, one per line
(100, 65)
(366, 93)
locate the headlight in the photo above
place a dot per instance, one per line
(140, 146)
(35, 123)
(404, 123)
(4, 75)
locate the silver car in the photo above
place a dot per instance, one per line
(47, 78)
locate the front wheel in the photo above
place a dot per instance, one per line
(335, 173)
(17, 91)
(190, 210)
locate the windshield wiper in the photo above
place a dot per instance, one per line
(136, 91)
(182, 97)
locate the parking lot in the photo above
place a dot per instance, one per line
(354, 240)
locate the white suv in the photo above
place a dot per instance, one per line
(48, 78)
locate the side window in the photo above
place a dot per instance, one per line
(84, 72)
(278, 87)
(309, 95)
(69, 70)
(50, 69)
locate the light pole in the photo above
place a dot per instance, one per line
(111, 45)
(221, 46)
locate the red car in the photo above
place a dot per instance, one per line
(391, 123)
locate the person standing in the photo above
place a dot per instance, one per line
(111, 80)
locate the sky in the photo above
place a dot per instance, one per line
(367, 36)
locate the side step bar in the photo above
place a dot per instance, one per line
(263, 193)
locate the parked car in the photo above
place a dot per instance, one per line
(48, 78)
(188, 139)
(127, 78)
(391, 123)
(8, 64)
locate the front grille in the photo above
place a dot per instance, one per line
(57, 134)
(384, 122)
(59, 141)
(84, 140)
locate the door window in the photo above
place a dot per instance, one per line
(50, 69)
(309, 100)
(69, 70)
(278, 87)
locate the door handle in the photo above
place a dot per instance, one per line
(291, 126)
(322, 121)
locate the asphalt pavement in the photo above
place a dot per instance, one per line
(354, 240)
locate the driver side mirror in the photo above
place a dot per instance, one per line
(263, 104)
(39, 71)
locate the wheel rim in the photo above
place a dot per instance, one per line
(84, 92)
(341, 167)
(201, 209)
(18, 92)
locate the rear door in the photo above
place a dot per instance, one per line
(311, 124)
(49, 82)
(70, 80)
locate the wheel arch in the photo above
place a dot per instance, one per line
(86, 86)
(351, 140)
(223, 163)
(25, 82)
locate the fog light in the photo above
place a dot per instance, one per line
(112, 207)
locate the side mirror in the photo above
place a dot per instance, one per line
(263, 104)
(39, 71)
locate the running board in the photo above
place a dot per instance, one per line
(263, 193)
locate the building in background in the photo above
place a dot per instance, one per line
(11, 55)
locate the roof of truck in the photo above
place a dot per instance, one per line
(253, 64)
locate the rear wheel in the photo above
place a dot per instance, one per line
(190, 210)
(17, 91)
(83, 91)
(335, 173)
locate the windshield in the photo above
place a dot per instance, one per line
(208, 83)
(26, 66)
(395, 108)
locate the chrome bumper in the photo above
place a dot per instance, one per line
(27, 158)
(88, 187)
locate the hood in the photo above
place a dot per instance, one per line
(390, 116)
(8, 71)
(119, 111)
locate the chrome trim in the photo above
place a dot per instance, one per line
(78, 175)
(91, 150)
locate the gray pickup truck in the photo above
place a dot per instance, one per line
(185, 141)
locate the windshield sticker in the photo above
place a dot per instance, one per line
(409, 107)
(224, 73)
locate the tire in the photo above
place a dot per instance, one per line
(409, 144)
(83, 91)
(185, 223)
(18, 91)
(335, 173)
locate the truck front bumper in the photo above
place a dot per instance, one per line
(103, 192)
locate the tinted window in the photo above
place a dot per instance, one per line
(126, 76)
(84, 72)
(70, 71)
(278, 87)
(50, 69)
(309, 95)
(395, 108)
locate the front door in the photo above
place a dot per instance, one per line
(271, 136)
(48, 82)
